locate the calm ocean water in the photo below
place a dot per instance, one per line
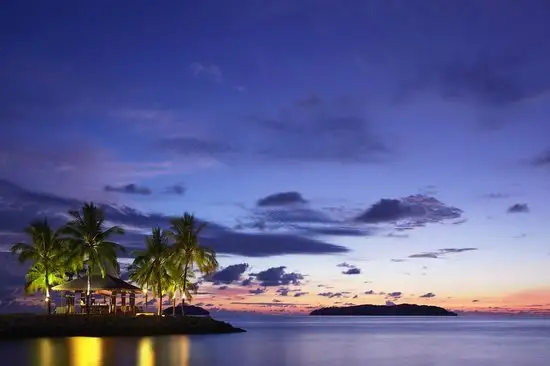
(327, 341)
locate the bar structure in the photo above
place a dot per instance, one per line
(104, 292)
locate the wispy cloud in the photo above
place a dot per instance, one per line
(543, 159)
(211, 71)
(129, 189)
(441, 253)
(177, 189)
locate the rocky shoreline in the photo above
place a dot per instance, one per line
(35, 326)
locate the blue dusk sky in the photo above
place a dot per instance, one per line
(379, 151)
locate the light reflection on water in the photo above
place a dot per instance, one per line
(146, 352)
(94, 351)
(308, 341)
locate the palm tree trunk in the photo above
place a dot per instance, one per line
(174, 304)
(146, 293)
(159, 305)
(184, 287)
(48, 302)
(181, 301)
(89, 289)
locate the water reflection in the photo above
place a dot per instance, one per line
(45, 352)
(91, 351)
(146, 352)
(85, 351)
(179, 350)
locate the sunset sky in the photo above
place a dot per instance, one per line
(379, 151)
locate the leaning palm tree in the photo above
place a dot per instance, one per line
(189, 254)
(90, 242)
(150, 266)
(175, 283)
(48, 256)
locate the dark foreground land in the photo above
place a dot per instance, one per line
(383, 310)
(34, 326)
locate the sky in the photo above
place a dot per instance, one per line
(341, 152)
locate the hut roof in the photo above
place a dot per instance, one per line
(97, 283)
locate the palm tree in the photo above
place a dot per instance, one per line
(90, 242)
(188, 252)
(175, 282)
(48, 256)
(150, 266)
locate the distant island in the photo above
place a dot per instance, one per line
(187, 310)
(385, 310)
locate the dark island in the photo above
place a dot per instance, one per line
(384, 310)
(187, 310)
(34, 326)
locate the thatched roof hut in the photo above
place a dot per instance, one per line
(98, 283)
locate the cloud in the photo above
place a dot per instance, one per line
(441, 252)
(427, 295)
(309, 101)
(223, 288)
(370, 292)
(281, 199)
(211, 71)
(129, 188)
(412, 211)
(299, 294)
(398, 260)
(475, 300)
(194, 146)
(395, 295)
(229, 274)
(345, 265)
(330, 295)
(352, 271)
(246, 282)
(276, 276)
(543, 159)
(399, 236)
(489, 80)
(178, 189)
(291, 212)
(390, 303)
(240, 88)
(257, 291)
(312, 129)
(75, 169)
(283, 291)
(496, 195)
(19, 206)
(518, 208)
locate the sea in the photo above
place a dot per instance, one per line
(315, 341)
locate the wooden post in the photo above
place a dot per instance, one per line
(113, 303)
(123, 301)
(133, 303)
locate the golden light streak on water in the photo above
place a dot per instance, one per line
(179, 351)
(46, 352)
(146, 352)
(85, 351)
